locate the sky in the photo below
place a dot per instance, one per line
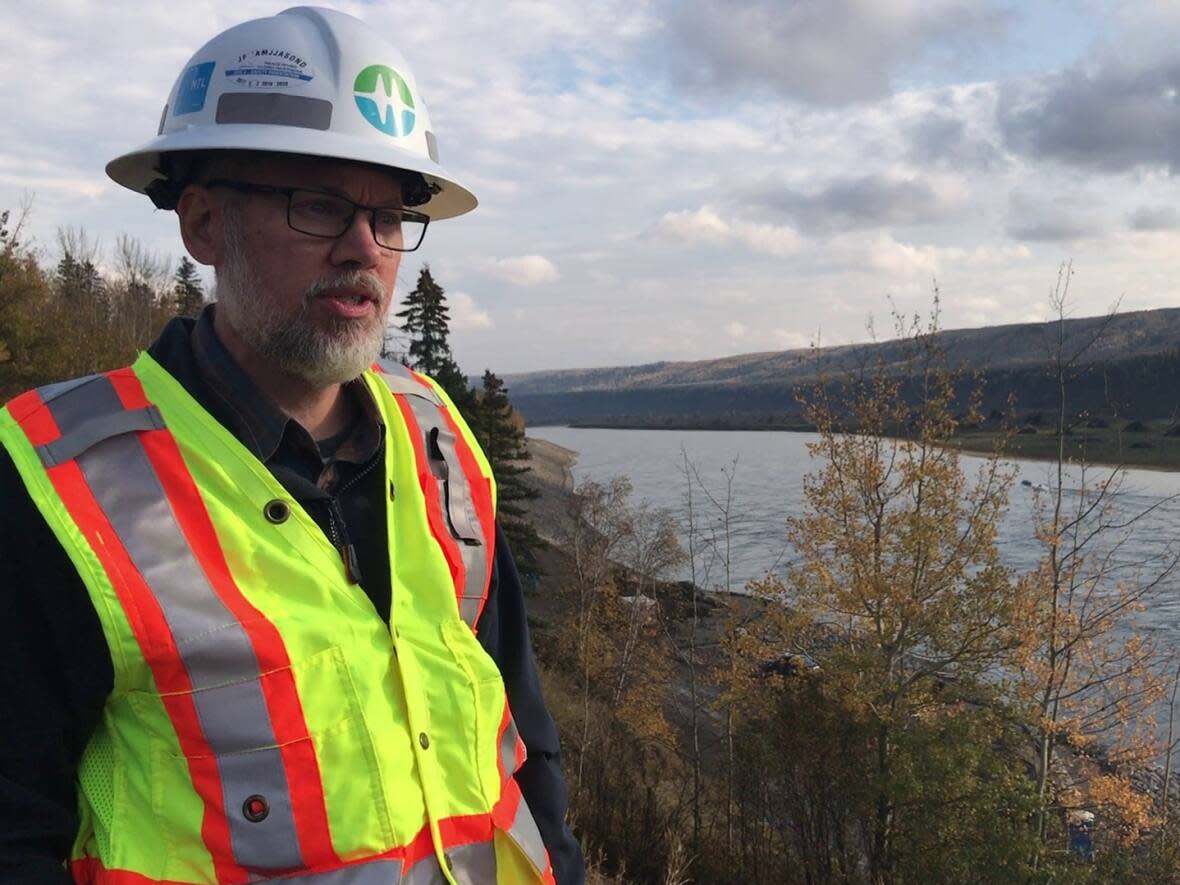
(689, 179)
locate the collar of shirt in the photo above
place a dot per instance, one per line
(268, 432)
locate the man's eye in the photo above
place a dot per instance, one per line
(321, 207)
(390, 218)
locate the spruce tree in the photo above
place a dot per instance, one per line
(188, 293)
(427, 321)
(79, 280)
(500, 431)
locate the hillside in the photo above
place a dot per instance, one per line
(1132, 369)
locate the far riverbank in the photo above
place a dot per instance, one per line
(1146, 445)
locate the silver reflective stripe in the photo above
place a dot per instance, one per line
(455, 495)
(524, 833)
(97, 429)
(508, 747)
(399, 379)
(274, 109)
(425, 872)
(460, 505)
(473, 864)
(216, 652)
(379, 872)
(53, 391)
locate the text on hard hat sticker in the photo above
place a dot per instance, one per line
(194, 85)
(269, 69)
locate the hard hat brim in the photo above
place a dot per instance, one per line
(140, 167)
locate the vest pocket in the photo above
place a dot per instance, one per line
(488, 703)
(266, 773)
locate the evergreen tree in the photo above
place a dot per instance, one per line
(426, 320)
(79, 280)
(188, 292)
(500, 431)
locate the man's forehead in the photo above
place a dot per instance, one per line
(309, 171)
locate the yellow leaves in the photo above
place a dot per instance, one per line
(895, 545)
(1125, 812)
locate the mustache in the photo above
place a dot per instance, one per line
(349, 279)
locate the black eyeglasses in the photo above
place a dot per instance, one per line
(321, 214)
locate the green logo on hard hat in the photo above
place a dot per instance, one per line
(374, 88)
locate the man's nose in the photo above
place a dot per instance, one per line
(357, 244)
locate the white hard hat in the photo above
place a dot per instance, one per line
(306, 81)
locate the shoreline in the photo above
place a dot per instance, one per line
(1161, 455)
(551, 476)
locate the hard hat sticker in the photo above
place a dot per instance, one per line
(194, 85)
(377, 102)
(269, 69)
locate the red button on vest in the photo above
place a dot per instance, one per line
(255, 809)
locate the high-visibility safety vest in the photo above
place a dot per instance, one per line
(265, 724)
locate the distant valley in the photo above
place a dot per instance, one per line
(1128, 376)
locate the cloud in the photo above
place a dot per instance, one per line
(956, 130)
(866, 201)
(1111, 118)
(735, 329)
(705, 225)
(1149, 218)
(1050, 229)
(882, 254)
(524, 270)
(466, 314)
(818, 51)
(789, 339)
(1061, 219)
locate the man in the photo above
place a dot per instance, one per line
(259, 623)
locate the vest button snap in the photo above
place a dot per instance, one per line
(276, 511)
(424, 741)
(255, 809)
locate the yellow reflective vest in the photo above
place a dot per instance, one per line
(264, 723)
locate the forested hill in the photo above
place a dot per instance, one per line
(1131, 368)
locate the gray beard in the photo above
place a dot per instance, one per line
(322, 356)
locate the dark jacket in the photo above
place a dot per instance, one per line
(55, 667)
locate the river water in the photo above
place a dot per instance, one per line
(764, 472)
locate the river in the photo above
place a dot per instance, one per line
(766, 470)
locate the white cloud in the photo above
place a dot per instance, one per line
(466, 314)
(735, 329)
(693, 225)
(824, 51)
(706, 226)
(524, 270)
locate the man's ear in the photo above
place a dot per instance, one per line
(202, 221)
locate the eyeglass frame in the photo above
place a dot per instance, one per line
(249, 187)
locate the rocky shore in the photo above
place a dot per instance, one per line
(551, 476)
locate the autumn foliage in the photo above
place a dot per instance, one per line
(897, 706)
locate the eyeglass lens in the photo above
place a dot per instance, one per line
(324, 215)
